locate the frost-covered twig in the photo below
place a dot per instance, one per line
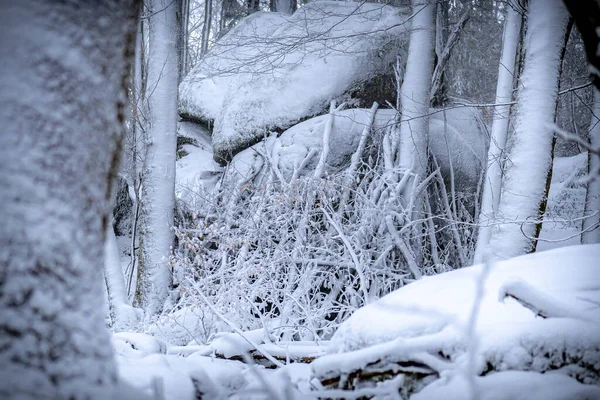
(235, 328)
(357, 265)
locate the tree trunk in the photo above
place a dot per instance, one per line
(63, 101)
(493, 175)
(530, 158)
(414, 94)
(284, 6)
(158, 197)
(591, 225)
(183, 22)
(206, 27)
(123, 316)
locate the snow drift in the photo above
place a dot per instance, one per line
(538, 313)
(272, 70)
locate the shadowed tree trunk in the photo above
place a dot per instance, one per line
(63, 82)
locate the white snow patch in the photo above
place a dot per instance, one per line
(428, 317)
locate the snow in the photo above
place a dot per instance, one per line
(158, 186)
(182, 326)
(137, 345)
(529, 159)
(249, 84)
(504, 90)
(463, 144)
(562, 221)
(179, 377)
(511, 385)
(427, 319)
(196, 172)
(537, 339)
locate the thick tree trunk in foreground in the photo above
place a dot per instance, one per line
(158, 202)
(530, 158)
(493, 175)
(63, 82)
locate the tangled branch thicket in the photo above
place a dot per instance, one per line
(302, 255)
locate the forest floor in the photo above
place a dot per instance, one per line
(532, 335)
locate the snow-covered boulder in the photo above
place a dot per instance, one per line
(196, 171)
(460, 145)
(536, 313)
(273, 70)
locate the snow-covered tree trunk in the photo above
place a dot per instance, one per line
(158, 198)
(493, 175)
(591, 225)
(414, 94)
(530, 157)
(65, 71)
(123, 316)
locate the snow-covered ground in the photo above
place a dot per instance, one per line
(537, 329)
(535, 334)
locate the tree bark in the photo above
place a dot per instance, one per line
(530, 158)
(493, 176)
(158, 198)
(414, 94)
(63, 101)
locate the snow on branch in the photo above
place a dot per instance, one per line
(540, 303)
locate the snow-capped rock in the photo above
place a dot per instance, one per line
(273, 70)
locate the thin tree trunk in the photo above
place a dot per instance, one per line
(158, 202)
(414, 96)
(206, 27)
(493, 175)
(123, 316)
(183, 22)
(63, 104)
(530, 158)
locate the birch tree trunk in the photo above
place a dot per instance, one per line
(414, 94)
(65, 71)
(493, 175)
(158, 202)
(530, 158)
(591, 225)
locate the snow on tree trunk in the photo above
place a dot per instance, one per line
(530, 157)
(158, 202)
(414, 94)
(504, 89)
(591, 225)
(65, 70)
(123, 316)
